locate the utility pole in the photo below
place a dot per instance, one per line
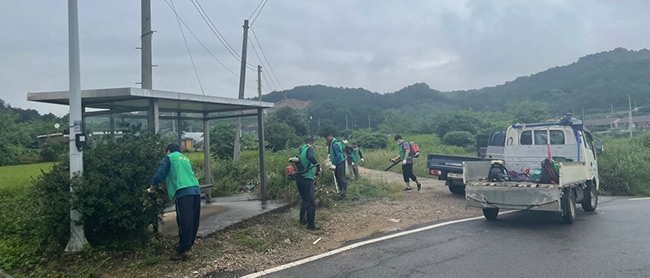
(346, 122)
(153, 122)
(583, 115)
(242, 82)
(259, 82)
(369, 122)
(77, 238)
(629, 115)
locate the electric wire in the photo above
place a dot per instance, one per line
(187, 46)
(203, 45)
(265, 59)
(255, 10)
(261, 62)
(259, 12)
(214, 29)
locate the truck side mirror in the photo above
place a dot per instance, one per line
(600, 147)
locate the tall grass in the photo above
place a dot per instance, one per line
(428, 143)
(624, 167)
(21, 176)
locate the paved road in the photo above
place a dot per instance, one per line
(612, 242)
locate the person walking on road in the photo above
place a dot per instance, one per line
(354, 158)
(406, 156)
(305, 184)
(337, 158)
(176, 170)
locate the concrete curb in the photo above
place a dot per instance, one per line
(234, 225)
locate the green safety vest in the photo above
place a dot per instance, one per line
(304, 161)
(332, 157)
(354, 156)
(402, 151)
(180, 174)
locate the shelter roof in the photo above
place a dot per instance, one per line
(132, 99)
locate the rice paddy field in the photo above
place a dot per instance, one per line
(21, 176)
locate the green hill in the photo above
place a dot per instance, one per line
(595, 83)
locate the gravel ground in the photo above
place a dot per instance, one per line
(275, 239)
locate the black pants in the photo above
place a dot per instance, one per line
(407, 172)
(339, 175)
(308, 204)
(188, 214)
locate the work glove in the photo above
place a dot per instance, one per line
(362, 160)
(353, 164)
(332, 167)
(404, 162)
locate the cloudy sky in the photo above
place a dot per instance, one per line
(382, 46)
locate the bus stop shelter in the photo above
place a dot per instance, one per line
(183, 106)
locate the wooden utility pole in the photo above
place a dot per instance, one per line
(242, 82)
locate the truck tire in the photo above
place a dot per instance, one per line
(457, 189)
(590, 201)
(568, 207)
(491, 213)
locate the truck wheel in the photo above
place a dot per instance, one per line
(457, 189)
(568, 207)
(491, 213)
(590, 202)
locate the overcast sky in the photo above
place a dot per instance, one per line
(382, 46)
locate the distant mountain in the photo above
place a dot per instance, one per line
(593, 83)
(359, 105)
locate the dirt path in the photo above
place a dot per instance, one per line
(434, 202)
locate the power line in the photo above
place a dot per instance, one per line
(202, 44)
(261, 62)
(187, 46)
(259, 12)
(215, 30)
(255, 10)
(265, 59)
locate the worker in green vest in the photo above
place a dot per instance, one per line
(305, 183)
(176, 170)
(354, 158)
(337, 159)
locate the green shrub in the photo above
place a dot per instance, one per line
(623, 167)
(369, 140)
(458, 138)
(112, 197)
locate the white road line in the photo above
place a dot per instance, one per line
(639, 199)
(359, 244)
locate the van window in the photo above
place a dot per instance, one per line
(557, 137)
(526, 138)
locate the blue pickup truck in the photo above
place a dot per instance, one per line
(450, 167)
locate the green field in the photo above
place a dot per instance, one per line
(22, 175)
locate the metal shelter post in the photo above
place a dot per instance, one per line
(153, 116)
(206, 156)
(180, 129)
(260, 138)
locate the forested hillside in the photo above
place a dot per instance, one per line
(594, 82)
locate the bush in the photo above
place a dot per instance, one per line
(113, 201)
(623, 167)
(369, 140)
(458, 138)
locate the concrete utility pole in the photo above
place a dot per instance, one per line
(631, 123)
(77, 236)
(242, 82)
(259, 82)
(346, 122)
(153, 122)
